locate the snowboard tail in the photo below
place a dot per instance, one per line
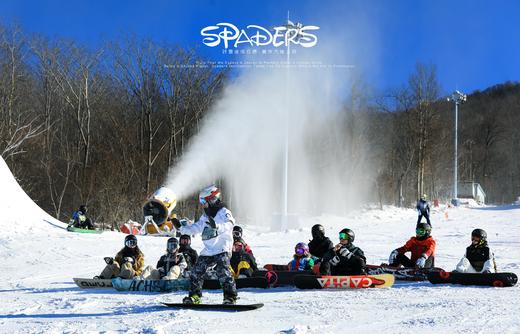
(489, 279)
(216, 307)
(344, 282)
(93, 283)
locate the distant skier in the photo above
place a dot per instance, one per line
(320, 244)
(190, 254)
(80, 219)
(170, 266)
(422, 248)
(243, 264)
(128, 263)
(238, 234)
(216, 227)
(344, 258)
(478, 257)
(302, 259)
(423, 209)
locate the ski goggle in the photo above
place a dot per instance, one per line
(344, 236)
(131, 243)
(172, 246)
(237, 234)
(299, 251)
(202, 201)
(421, 232)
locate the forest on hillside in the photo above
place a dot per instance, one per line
(102, 126)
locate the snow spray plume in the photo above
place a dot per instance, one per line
(242, 140)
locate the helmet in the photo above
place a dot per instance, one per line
(479, 233)
(348, 234)
(301, 248)
(210, 195)
(423, 230)
(185, 239)
(237, 232)
(318, 232)
(83, 208)
(424, 197)
(130, 241)
(172, 245)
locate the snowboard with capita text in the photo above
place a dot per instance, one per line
(151, 285)
(490, 279)
(400, 273)
(280, 278)
(344, 282)
(93, 283)
(216, 307)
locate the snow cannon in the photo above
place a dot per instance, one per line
(157, 212)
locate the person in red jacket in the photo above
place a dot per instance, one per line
(422, 248)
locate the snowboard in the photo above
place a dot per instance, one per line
(83, 230)
(93, 283)
(241, 283)
(277, 267)
(492, 279)
(400, 273)
(279, 278)
(344, 282)
(216, 307)
(151, 285)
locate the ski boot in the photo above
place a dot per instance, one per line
(195, 299)
(229, 300)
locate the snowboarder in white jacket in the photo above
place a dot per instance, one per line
(216, 227)
(478, 257)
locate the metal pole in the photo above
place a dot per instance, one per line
(285, 185)
(455, 186)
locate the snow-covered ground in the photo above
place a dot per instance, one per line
(39, 259)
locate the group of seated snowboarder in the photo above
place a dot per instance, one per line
(320, 255)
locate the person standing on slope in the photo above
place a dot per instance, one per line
(423, 210)
(478, 257)
(216, 227)
(422, 248)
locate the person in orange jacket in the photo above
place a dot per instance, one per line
(422, 248)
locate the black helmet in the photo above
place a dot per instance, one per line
(172, 245)
(347, 233)
(185, 239)
(423, 230)
(130, 241)
(318, 232)
(479, 233)
(83, 208)
(237, 232)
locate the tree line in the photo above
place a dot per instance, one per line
(103, 125)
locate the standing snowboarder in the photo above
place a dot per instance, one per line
(478, 257)
(216, 227)
(423, 210)
(344, 258)
(320, 244)
(422, 248)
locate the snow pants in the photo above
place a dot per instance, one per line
(353, 266)
(404, 260)
(222, 268)
(114, 270)
(151, 273)
(425, 215)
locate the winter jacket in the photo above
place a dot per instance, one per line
(216, 240)
(301, 263)
(318, 247)
(477, 259)
(242, 263)
(167, 261)
(423, 207)
(138, 257)
(190, 255)
(418, 247)
(331, 253)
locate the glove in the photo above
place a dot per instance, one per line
(421, 261)
(343, 251)
(185, 221)
(211, 223)
(335, 260)
(176, 223)
(109, 260)
(393, 256)
(162, 273)
(128, 259)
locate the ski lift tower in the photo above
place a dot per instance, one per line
(457, 98)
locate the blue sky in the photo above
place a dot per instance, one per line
(474, 44)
